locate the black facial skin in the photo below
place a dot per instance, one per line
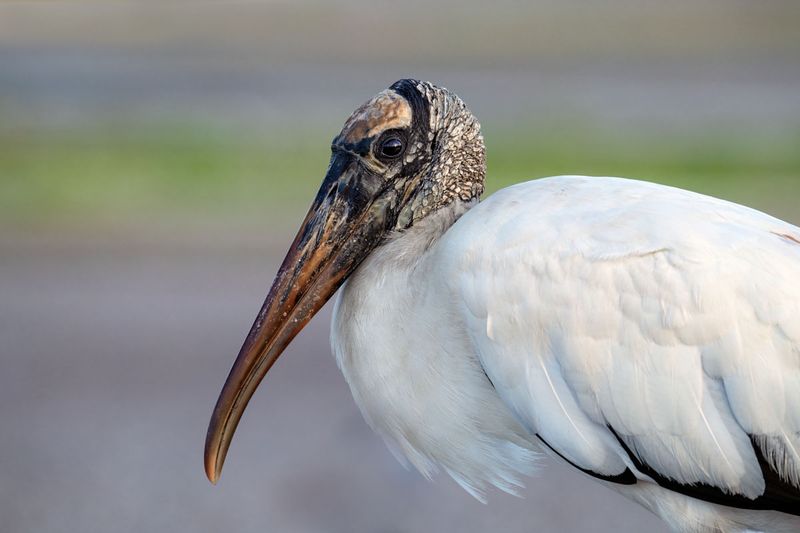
(416, 137)
(420, 107)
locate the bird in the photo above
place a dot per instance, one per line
(645, 335)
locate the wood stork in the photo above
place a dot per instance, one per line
(646, 335)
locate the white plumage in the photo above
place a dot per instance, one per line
(640, 332)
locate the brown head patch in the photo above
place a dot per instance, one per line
(388, 110)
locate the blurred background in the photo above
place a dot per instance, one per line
(157, 156)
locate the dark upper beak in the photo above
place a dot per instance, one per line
(351, 213)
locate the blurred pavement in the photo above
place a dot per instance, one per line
(112, 360)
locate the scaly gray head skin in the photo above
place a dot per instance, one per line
(409, 151)
(457, 167)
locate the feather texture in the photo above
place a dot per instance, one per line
(667, 315)
(630, 326)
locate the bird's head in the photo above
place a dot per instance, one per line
(409, 151)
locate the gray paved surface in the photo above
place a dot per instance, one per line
(111, 362)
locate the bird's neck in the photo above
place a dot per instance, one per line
(411, 366)
(413, 242)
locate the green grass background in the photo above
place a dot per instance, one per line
(179, 175)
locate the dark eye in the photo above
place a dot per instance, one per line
(391, 147)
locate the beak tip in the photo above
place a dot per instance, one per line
(212, 464)
(212, 473)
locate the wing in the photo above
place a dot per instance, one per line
(641, 330)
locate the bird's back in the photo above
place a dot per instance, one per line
(647, 335)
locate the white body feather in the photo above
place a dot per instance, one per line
(568, 306)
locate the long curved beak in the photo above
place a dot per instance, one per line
(345, 222)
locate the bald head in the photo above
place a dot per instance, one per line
(387, 110)
(422, 139)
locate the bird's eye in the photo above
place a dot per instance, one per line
(391, 147)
